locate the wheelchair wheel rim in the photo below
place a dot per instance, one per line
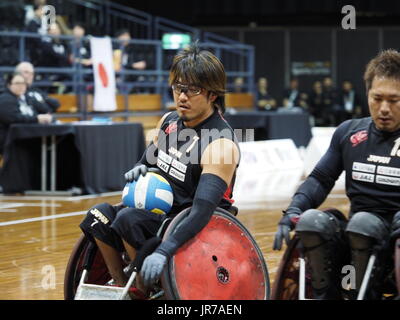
(98, 273)
(222, 262)
(286, 284)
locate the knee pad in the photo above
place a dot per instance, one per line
(319, 233)
(364, 231)
(368, 225)
(396, 221)
(317, 221)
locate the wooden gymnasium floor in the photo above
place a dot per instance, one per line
(37, 235)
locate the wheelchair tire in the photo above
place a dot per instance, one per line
(222, 262)
(397, 265)
(97, 274)
(286, 284)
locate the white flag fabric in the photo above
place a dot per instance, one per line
(104, 76)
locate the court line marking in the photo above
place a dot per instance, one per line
(65, 198)
(337, 196)
(55, 216)
(7, 205)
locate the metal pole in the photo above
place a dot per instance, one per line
(44, 163)
(334, 56)
(53, 163)
(302, 279)
(367, 275)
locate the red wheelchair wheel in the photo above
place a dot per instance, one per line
(222, 262)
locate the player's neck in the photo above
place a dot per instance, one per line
(195, 122)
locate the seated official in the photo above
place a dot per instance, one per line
(264, 99)
(43, 103)
(15, 107)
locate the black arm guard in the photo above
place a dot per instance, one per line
(208, 195)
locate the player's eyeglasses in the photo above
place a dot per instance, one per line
(189, 90)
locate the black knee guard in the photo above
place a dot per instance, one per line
(97, 225)
(321, 236)
(395, 229)
(366, 232)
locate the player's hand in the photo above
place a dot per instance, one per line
(152, 268)
(286, 224)
(134, 174)
(45, 118)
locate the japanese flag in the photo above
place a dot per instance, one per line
(104, 76)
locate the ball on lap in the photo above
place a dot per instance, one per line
(151, 192)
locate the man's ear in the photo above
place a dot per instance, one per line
(213, 97)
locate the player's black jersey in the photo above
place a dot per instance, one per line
(371, 159)
(179, 155)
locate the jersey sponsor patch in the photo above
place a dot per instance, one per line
(389, 171)
(162, 165)
(391, 181)
(176, 174)
(164, 157)
(360, 176)
(172, 127)
(358, 137)
(364, 167)
(179, 165)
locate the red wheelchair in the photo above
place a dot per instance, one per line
(222, 262)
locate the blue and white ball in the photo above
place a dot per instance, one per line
(151, 192)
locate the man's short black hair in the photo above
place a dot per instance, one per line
(121, 32)
(79, 24)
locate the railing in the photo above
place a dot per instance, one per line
(154, 80)
(111, 16)
(107, 17)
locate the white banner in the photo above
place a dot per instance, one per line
(104, 76)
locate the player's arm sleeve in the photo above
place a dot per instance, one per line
(207, 197)
(314, 190)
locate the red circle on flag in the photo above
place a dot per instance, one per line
(103, 75)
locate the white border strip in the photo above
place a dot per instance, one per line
(55, 216)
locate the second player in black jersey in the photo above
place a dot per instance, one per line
(368, 151)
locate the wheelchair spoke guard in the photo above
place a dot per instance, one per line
(222, 262)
